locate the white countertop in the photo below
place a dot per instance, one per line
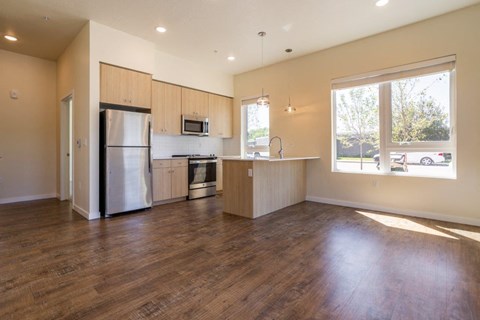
(167, 158)
(271, 159)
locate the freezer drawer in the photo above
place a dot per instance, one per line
(127, 129)
(129, 181)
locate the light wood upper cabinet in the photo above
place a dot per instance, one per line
(125, 87)
(166, 108)
(220, 116)
(194, 102)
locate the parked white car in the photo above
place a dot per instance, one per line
(423, 158)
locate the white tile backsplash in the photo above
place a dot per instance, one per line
(166, 146)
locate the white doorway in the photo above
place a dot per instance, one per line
(66, 156)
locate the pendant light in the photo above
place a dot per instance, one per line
(263, 100)
(289, 108)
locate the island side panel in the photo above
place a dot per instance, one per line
(277, 185)
(237, 188)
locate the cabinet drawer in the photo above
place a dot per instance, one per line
(179, 163)
(161, 164)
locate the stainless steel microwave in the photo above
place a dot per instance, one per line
(194, 125)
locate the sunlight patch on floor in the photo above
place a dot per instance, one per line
(464, 233)
(404, 224)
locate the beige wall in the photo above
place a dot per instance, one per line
(73, 79)
(308, 132)
(27, 128)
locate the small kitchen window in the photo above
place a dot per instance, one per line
(255, 129)
(397, 121)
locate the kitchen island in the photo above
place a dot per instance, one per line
(253, 187)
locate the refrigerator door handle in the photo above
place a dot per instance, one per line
(150, 146)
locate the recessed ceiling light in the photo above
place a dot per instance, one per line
(231, 58)
(381, 3)
(161, 29)
(10, 38)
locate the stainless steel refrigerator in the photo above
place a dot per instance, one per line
(125, 161)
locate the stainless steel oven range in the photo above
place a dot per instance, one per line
(202, 175)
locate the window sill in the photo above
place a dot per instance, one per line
(398, 174)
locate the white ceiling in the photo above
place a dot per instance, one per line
(207, 31)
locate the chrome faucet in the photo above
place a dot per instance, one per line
(280, 152)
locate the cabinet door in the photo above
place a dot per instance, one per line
(162, 184)
(227, 117)
(162, 180)
(111, 84)
(194, 102)
(219, 176)
(158, 107)
(140, 89)
(179, 178)
(125, 87)
(220, 116)
(173, 109)
(179, 182)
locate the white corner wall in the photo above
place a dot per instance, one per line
(73, 79)
(308, 132)
(27, 128)
(172, 69)
(119, 48)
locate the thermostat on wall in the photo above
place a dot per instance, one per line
(13, 94)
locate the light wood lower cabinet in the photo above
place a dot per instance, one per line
(170, 179)
(258, 187)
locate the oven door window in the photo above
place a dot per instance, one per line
(202, 173)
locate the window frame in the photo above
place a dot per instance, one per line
(386, 145)
(244, 123)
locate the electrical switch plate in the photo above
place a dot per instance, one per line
(250, 172)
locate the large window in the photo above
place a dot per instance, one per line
(396, 121)
(255, 129)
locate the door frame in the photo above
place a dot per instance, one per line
(66, 146)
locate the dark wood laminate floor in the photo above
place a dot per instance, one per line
(190, 261)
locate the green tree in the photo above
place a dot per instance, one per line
(417, 116)
(357, 117)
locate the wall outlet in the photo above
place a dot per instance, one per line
(250, 172)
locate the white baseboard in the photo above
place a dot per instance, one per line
(94, 216)
(81, 211)
(84, 213)
(27, 198)
(411, 213)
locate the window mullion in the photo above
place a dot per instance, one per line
(385, 125)
(334, 129)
